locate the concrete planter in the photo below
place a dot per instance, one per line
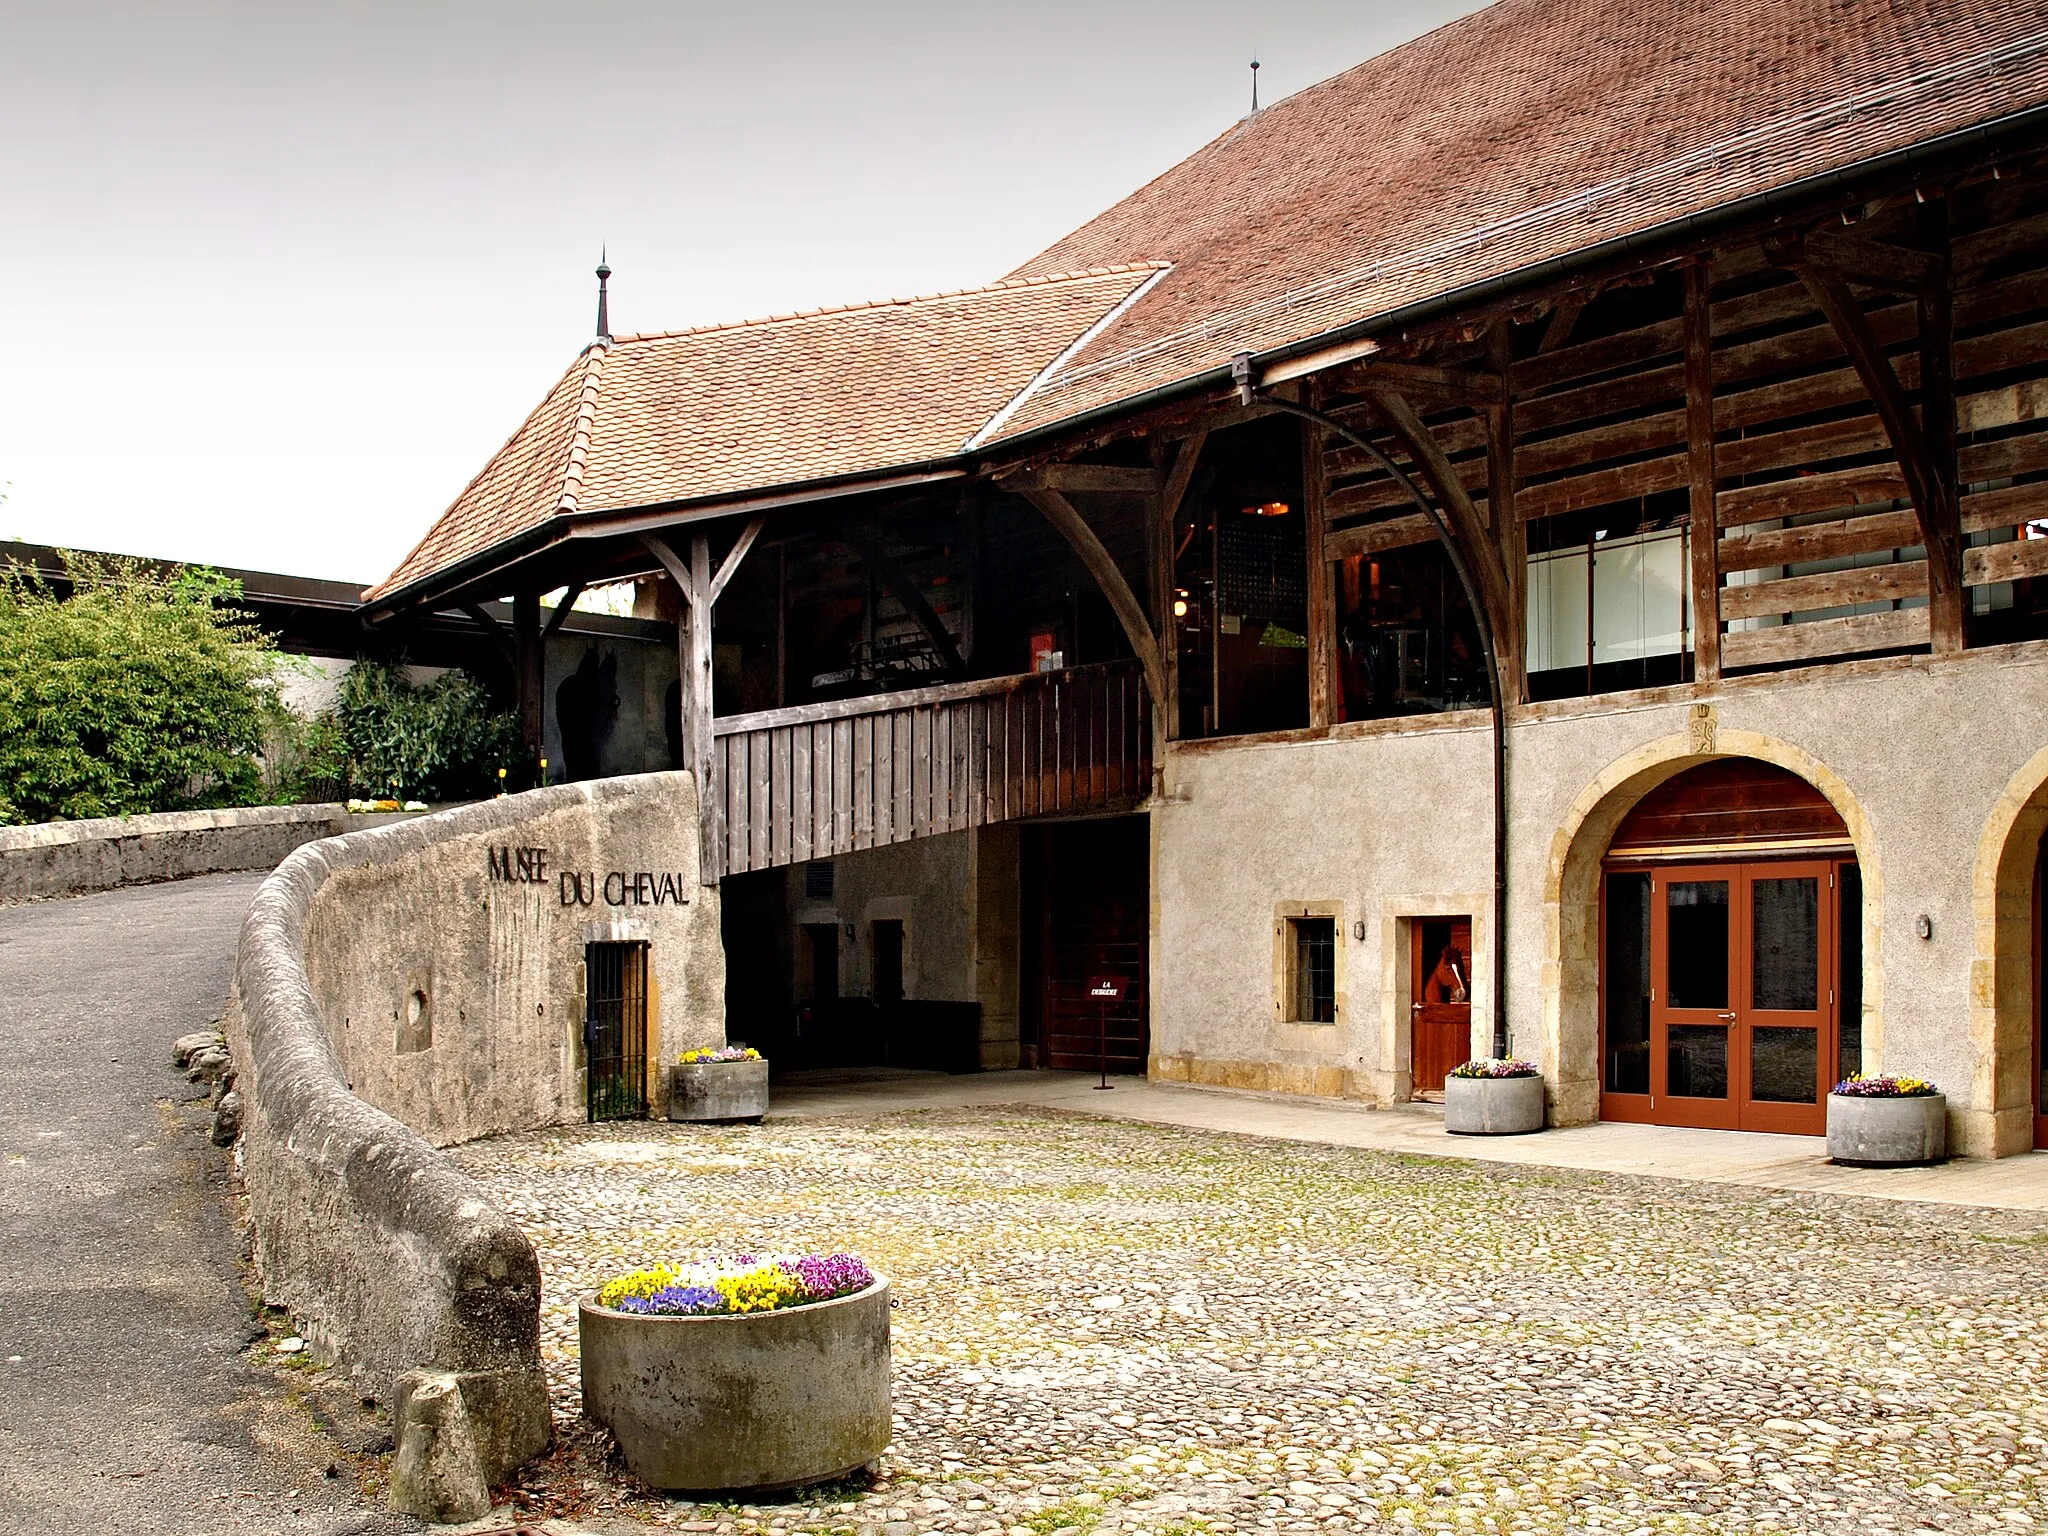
(1493, 1106)
(718, 1090)
(1883, 1133)
(758, 1400)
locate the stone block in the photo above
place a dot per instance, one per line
(438, 1473)
(711, 1091)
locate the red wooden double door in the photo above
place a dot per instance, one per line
(1721, 994)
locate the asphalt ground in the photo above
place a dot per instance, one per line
(138, 1393)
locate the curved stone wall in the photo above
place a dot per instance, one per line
(418, 984)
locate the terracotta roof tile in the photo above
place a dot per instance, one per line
(723, 409)
(1528, 130)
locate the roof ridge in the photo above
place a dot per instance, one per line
(1007, 283)
(579, 436)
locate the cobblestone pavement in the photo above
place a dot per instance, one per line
(1123, 1328)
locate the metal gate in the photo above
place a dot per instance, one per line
(615, 1030)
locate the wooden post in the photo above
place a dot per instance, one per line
(1948, 616)
(526, 639)
(1704, 582)
(710, 796)
(1321, 623)
(1509, 535)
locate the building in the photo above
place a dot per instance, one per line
(1538, 544)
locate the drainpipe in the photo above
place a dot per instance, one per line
(1249, 392)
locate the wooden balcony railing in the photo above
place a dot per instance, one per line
(790, 785)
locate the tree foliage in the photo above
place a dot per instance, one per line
(140, 691)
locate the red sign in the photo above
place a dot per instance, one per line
(1108, 989)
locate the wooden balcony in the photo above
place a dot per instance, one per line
(789, 785)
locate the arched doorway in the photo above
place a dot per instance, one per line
(2008, 1108)
(1730, 952)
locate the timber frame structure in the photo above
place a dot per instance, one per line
(1814, 397)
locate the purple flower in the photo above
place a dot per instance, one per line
(826, 1275)
(675, 1301)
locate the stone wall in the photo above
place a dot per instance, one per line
(1388, 821)
(70, 858)
(394, 989)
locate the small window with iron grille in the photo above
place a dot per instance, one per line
(818, 880)
(1311, 970)
(615, 1030)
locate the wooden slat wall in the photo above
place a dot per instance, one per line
(1999, 260)
(813, 782)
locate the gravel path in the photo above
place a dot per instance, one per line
(1122, 1328)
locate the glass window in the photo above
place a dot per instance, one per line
(1696, 944)
(1312, 967)
(1697, 1061)
(1784, 1066)
(1628, 983)
(1784, 949)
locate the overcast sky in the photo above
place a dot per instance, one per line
(276, 278)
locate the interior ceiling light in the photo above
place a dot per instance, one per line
(1268, 509)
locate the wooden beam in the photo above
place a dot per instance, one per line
(1322, 624)
(1704, 578)
(1461, 386)
(1833, 540)
(909, 596)
(1464, 520)
(1509, 535)
(1891, 630)
(531, 674)
(495, 633)
(1101, 565)
(1932, 493)
(2015, 560)
(730, 566)
(1371, 538)
(1875, 263)
(1098, 479)
(1829, 589)
(1562, 319)
(1948, 617)
(560, 612)
(699, 704)
(1174, 488)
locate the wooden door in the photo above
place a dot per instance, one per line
(1440, 981)
(1785, 1013)
(1090, 889)
(1729, 1019)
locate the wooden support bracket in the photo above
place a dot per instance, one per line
(1933, 493)
(495, 633)
(560, 612)
(1466, 525)
(1101, 565)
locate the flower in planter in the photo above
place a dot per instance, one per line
(718, 1053)
(1494, 1066)
(738, 1284)
(1860, 1087)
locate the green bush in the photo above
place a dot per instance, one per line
(387, 736)
(141, 691)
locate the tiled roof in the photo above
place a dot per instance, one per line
(1528, 130)
(724, 409)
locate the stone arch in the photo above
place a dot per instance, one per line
(2000, 1120)
(1569, 1038)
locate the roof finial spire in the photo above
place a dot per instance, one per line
(604, 273)
(1255, 80)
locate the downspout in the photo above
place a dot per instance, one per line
(1248, 393)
